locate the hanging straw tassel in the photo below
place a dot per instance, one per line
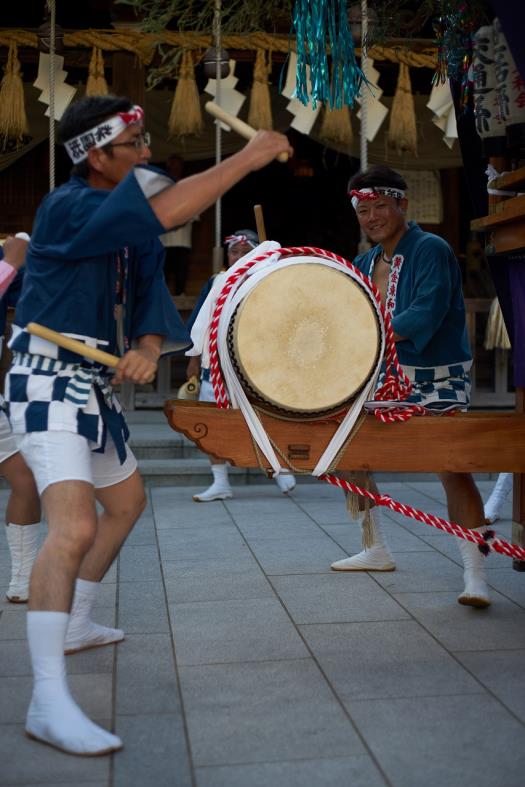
(260, 114)
(13, 118)
(96, 84)
(402, 133)
(186, 115)
(496, 335)
(336, 127)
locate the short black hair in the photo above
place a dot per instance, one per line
(378, 175)
(86, 113)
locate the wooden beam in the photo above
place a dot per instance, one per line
(467, 442)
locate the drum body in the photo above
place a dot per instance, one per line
(305, 339)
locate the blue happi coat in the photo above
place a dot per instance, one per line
(91, 250)
(429, 311)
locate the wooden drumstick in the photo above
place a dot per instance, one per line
(242, 128)
(106, 359)
(259, 222)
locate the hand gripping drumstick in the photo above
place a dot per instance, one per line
(106, 359)
(242, 128)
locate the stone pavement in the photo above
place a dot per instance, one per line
(247, 663)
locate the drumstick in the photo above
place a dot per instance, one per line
(259, 221)
(242, 128)
(72, 344)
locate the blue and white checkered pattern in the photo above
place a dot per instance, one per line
(440, 387)
(44, 394)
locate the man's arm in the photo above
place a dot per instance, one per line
(177, 204)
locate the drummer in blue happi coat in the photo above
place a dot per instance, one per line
(419, 281)
(94, 271)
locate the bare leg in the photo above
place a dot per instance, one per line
(53, 716)
(466, 508)
(22, 519)
(123, 503)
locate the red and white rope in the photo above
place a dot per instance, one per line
(396, 386)
(486, 540)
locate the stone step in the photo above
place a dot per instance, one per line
(196, 472)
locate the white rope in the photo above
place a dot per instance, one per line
(218, 127)
(365, 92)
(235, 390)
(51, 4)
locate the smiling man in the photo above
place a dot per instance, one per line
(94, 271)
(419, 280)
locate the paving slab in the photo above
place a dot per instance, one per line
(155, 752)
(336, 597)
(264, 712)
(248, 663)
(499, 672)
(498, 627)
(244, 630)
(436, 740)
(358, 771)
(210, 580)
(386, 659)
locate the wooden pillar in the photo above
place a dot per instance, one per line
(128, 77)
(518, 502)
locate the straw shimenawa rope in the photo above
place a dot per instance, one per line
(96, 84)
(13, 118)
(260, 113)
(145, 44)
(402, 132)
(186, 115)
(336, 126)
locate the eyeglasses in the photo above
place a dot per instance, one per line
(139, 142)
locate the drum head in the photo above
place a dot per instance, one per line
(306, 338)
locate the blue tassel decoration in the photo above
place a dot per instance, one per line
(318, 23)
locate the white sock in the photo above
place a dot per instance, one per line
(220, 488)
(53, 716)
(285, 482)
(476, 592)
(82, 632)
(377, 557)
(494, 504)
(22, 541)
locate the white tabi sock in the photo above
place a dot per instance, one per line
(53, 716)
(220, 489)
(376, 557)
(494, 504)
(82, 632)
(285, 482)
(23, 547)
(476, 593)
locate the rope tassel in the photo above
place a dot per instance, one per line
(402, 133)
(186, 115)
(337, 127)
(13, 118)
(96, 84)
(260, 114)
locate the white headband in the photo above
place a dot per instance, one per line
(369, 194)
(233, 240)
(77, 148)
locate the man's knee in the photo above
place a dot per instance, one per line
(74, 541)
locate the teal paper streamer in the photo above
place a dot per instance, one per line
(316, 24)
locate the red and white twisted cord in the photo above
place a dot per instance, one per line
(485, 540)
